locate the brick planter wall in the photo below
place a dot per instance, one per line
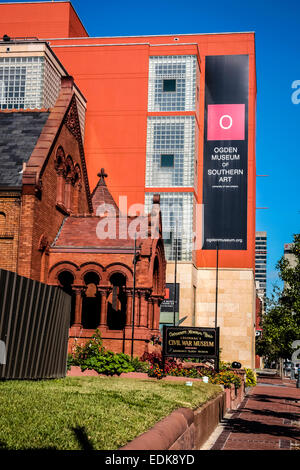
(183, 429)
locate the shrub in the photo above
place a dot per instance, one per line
(224, 365)
(93, 356)
(180, 371)
(108, 363)
(139, 366)
(250, 378)
(69, 361)
(175, 367)
(156, 364)
(91, 349)
(226, 378)
(156, 371)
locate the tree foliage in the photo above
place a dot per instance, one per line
(281, 322)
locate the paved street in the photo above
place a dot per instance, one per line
(268, 419)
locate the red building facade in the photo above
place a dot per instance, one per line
(150, 100)
(100, 275)
(55, 235)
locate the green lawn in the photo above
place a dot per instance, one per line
(102, 413)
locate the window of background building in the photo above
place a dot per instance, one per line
(169, 85)
(27, 83)
(170, 135)
(172, 83)
(167, 161)
(176, 207)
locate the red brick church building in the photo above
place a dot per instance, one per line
(53, 229)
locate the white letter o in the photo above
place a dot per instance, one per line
(221, 121)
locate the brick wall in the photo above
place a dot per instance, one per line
(9, 229)
(40, 217)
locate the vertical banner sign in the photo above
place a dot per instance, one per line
(167, 304)
(225, 165)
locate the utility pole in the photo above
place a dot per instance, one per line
(133, 295)
(175, 277)
(217, 281)
(217, 360)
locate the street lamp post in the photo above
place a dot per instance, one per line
(175, 277)
(133, 295)
(217, 281)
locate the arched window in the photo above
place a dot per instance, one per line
(77, 187)
(69, 182)
(60, 167)
(156, 276)
(117, 302)
(66, 279)
(91, 302)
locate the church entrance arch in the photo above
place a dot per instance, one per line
(117, 302)
(66, 279)
(91, 302)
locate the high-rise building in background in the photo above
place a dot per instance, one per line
(289, 255)
(261, 260)
(168, 114)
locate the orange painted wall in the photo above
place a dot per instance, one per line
(112, 73)
(42, 20)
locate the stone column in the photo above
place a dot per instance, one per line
(150, 313)
(68, 194)
(60, 187)
(136, 309)
(103, 312)
(143, 309)
(156, 313)
(78, 306)
(129, 308)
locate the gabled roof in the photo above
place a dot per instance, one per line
(27, 137)
(19, 133)
(89, 232)
(64, 112)
(83, 232)
(101, 194)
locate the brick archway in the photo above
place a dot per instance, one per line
(120, 268)
(55, 270)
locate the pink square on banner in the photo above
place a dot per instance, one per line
(226, 122)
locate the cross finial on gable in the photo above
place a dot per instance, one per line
(102, 175)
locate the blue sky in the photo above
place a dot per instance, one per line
(276, 24)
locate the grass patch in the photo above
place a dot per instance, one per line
(76, 413)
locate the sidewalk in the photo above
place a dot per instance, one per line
(268, 419)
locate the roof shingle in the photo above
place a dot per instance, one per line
(19, 132)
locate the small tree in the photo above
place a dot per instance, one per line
(281, 322)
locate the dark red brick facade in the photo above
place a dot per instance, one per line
(56, 241)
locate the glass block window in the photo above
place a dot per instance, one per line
(176, 207)
(51, 86)
(172, 83)
(170, 135)
(27, 83)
